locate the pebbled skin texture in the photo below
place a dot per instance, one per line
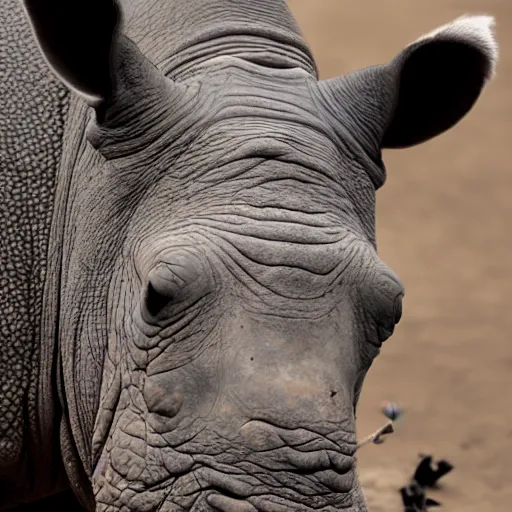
(33, 108)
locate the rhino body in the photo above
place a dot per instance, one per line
(191, 294)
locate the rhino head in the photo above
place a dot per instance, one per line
(222, 298)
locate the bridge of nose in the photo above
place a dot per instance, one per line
(291, 368)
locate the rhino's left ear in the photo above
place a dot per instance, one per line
(425, 90)
(77, 39)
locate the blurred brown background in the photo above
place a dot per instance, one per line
(443, 221)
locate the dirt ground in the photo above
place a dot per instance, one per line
(443, 225)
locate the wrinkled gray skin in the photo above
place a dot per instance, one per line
(190, 290)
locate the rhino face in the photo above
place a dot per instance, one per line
(250, 303)
(241, 299)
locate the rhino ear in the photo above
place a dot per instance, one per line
(425, 90)
(78, 39)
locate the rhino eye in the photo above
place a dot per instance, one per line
(168, 285)
(388, 322)
(156, 300)
(172, 287)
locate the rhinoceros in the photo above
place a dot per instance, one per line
(191, 293)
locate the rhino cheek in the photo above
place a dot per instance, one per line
(166, 402)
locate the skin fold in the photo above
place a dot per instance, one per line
(191, 290)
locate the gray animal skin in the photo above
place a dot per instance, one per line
(190, 290)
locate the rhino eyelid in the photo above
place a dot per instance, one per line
(397, 308)
(156, 301)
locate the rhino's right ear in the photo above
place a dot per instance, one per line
(425, 90)
(78, 39)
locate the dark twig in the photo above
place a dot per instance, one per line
(425, 476)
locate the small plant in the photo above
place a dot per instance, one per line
(393, 412)
(425, 476)
(377, 436)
